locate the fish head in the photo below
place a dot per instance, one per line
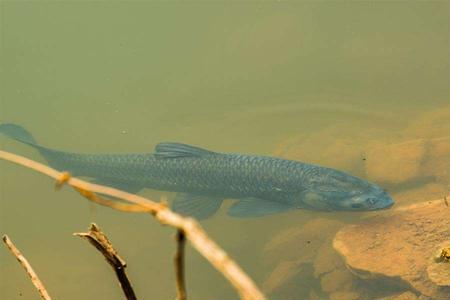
(339, 191)
(373, 199)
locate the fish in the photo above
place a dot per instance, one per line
(203, 179)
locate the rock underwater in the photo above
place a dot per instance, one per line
(400, 158)
(401, 247)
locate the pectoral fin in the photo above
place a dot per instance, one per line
(253, 207)
(197, 206)
(314, 201)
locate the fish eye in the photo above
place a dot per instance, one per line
(371, 201)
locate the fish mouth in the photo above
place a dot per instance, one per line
(387, 206)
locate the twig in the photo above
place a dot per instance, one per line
(100, 241)
(26, 265)
(179, 265)
(193, 231)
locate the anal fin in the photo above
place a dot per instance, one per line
(254, 207)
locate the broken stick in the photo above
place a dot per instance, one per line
(26, 265)
(101, 242)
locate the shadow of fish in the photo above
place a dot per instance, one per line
(203, 179)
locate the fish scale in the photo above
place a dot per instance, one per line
(263, 184)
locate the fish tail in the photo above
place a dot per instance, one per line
(18, 133)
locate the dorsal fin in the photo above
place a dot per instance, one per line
(173, 150)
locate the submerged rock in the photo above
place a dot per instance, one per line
(423, 153)
(417, 194)
(313, 295)
(339, 147)
(283, 273)
(296, 248)
(402, 296)
(337, 280)
(395, 163)
(300, 243)
(409, 161)
(344, 296)
(437, 163)
(432, 124)
(327, 260)
(398, 246)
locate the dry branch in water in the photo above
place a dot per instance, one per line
(179, 265)
(101, 242)
(193, 231)
(26, 265)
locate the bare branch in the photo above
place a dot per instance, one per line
(26, 265)
(193, 231)
(101, 242)
(179, 265)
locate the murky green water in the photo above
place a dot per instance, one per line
(319, 82)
